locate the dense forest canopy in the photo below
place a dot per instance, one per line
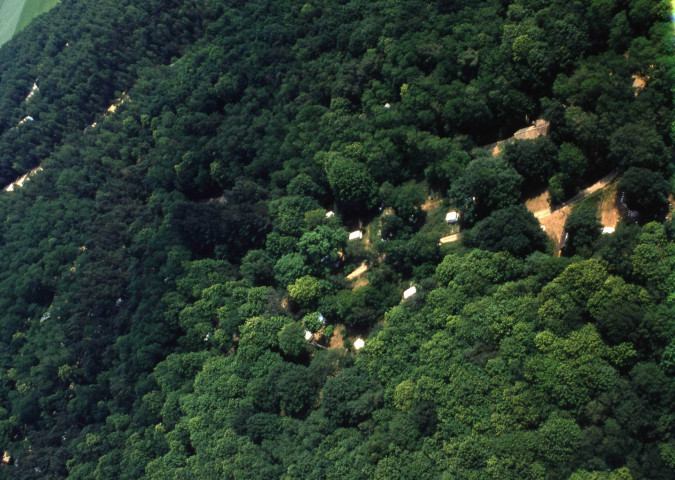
(180, 296)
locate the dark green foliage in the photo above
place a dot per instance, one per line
(234, 228)
(513, 229)
(636, 145)
(406, 200)
(534, 160)
(583, 228)
(158, 273)
(488, 184)
(350, 397)
(645, 191)
(351, 184)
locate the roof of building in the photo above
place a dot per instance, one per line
(409, 292)
(451, 216)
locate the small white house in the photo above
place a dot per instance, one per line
(359, 343)
(607, 230)
(356, 235)
(386, 105)
(409, 293)
(308, 335)
(452, 217)
(330, 214)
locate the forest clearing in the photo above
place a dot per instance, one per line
(553, 219)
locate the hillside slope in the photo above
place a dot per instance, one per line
(176, 299)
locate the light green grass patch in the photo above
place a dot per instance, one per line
(10, 12)
(31, 9)
(16, 14)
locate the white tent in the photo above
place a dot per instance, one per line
(452, 217)
(356, 235)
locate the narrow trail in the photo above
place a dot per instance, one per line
(358, 272)
(599, 185)
(449, 239)
(18, 183)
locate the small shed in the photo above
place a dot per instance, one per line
(452, 216)
(308, 335)
(607, 230)
(356, 235)
(330, 214)
(359, 343)
(409, 293)
(387, 105)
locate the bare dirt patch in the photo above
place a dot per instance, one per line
(430, 204)
(540, 204)
(361, 282)
(538, 129)
(285, 304)
(554, 220)
(336, 340)
(609, 207)
(639, 83)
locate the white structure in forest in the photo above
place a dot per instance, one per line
(356, 235)
(452, 217)
(359, 343)
(412, 291)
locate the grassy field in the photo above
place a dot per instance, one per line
(16, 14)
(31, 9)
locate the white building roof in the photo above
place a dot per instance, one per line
(451, 216)
(356, 235)
(308, 335)
(409, 293)
(330, 214)
(359, 343)
(607, 230)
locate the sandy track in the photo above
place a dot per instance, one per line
(449, 239)
(358, 272)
